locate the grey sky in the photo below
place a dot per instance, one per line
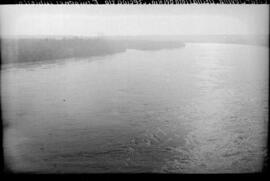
(90, 20)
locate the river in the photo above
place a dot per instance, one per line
(198, 109)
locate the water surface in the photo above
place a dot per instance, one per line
(198, 109)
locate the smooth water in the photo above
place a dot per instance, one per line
(198, 109)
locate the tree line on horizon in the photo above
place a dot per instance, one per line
(33, 50)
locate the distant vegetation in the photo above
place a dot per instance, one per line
(32, 49)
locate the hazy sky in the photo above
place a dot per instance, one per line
(133, 19)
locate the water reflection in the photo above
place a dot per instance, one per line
(220, 140)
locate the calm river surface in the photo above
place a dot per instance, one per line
(198, 109)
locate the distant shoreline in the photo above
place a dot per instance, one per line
(36, 49)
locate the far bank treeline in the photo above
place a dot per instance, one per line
(32, 49)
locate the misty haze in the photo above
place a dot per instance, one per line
(161, 89)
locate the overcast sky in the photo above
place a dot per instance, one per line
(92, 20)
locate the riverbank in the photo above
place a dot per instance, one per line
(20, 50)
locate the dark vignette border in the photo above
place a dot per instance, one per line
(5, 172)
